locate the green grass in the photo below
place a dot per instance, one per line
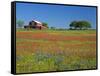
(51, 31)
(40, 62)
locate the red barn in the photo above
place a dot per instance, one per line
(35, 25)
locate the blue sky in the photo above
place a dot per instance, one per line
(55, 15)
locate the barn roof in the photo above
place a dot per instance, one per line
(37, 21)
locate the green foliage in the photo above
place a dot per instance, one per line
(73, 24)
(20, 23)
(45, 24)
(80, 25)
(52, 27)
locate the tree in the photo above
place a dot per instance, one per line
(73, 25)
(86, 25)
(20, 23)
(80, 25)
(53, 28)
(45, 24)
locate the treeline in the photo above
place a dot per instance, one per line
(74, 25)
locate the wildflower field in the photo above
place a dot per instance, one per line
(55, 50)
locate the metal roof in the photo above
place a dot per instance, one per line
(37, 21)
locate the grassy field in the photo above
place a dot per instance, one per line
(55, 50)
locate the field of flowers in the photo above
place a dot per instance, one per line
(55, 50)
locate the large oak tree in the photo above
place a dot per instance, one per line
(80, 25)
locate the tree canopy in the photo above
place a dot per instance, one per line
(45, 24)
(20, 23)
(53, 27)
(80, 25)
